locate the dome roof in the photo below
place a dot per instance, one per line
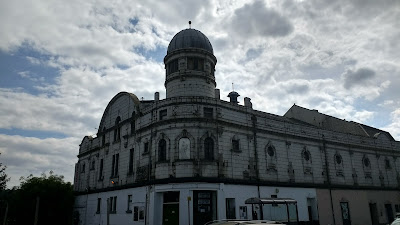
(190, 38)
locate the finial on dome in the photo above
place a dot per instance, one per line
(190, 24)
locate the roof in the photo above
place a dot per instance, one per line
(315, 118)
(190, 38)
(270, 201)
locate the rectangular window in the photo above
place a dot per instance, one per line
(208, 112)
(235, 145)
(92, 165)
(113, 204)
(83, 168)
(98, 205)
(146, 147)
(128, 207)
(141, 213)
(136, 213)
(101, 170)
(114, 166)
(163, 114)
(130, 169)
(230, 208)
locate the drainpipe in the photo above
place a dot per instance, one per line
(328, 177)
(254, 122)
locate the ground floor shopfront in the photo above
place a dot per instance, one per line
(191, 204)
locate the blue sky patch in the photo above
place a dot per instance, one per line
(32, 133)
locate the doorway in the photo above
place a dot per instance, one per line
(171, 208)
(345, 213)
(204, 207)
(389, 212)
(373, 210)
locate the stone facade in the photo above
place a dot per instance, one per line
(193, 139)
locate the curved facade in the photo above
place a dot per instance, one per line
(193, 157)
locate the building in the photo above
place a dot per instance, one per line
(194, 157)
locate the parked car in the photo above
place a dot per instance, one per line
(397, 220)
(240, 222)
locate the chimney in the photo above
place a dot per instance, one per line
(157, 96)
(247, 102)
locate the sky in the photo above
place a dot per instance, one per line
(61, 62)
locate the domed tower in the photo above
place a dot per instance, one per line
(190, 65)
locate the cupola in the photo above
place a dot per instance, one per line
(190, 65)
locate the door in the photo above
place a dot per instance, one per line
(345, 213)
(389, 212)
(171, 214)
(171, 208)
(373, 210)
(204, 207)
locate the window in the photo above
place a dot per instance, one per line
(235, 145)
(113, 204)
(128, 207)
(184, 148)
(117, 131)
(338, 159)
(270, 151)
(146, 147)
(366, 162)
(387, 164)
(162, 150)
(101, 170)
(92, 165)
(83, 168)
(114, 167)
(130, 169)
(163, 114)
(209, 148)
(136, 213)
(196, 64)
(98, 205)
(397, 208)
(141, 213)
(306, 155)
(208, 112)
(172, 67)
(230, 208)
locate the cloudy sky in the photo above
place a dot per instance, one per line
(62, 61)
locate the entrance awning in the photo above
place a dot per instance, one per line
(270, 201)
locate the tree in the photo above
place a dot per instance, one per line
(3, 177)
(53, 196)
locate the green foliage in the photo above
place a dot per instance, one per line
(55, 197)
(3, 177)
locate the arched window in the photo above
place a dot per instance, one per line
(271, 151)
(306, 155)
(162, 150)
(117, 131)
(209, 148)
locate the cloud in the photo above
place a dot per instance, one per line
(25, 155)
(256, 20)
(360, 77)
